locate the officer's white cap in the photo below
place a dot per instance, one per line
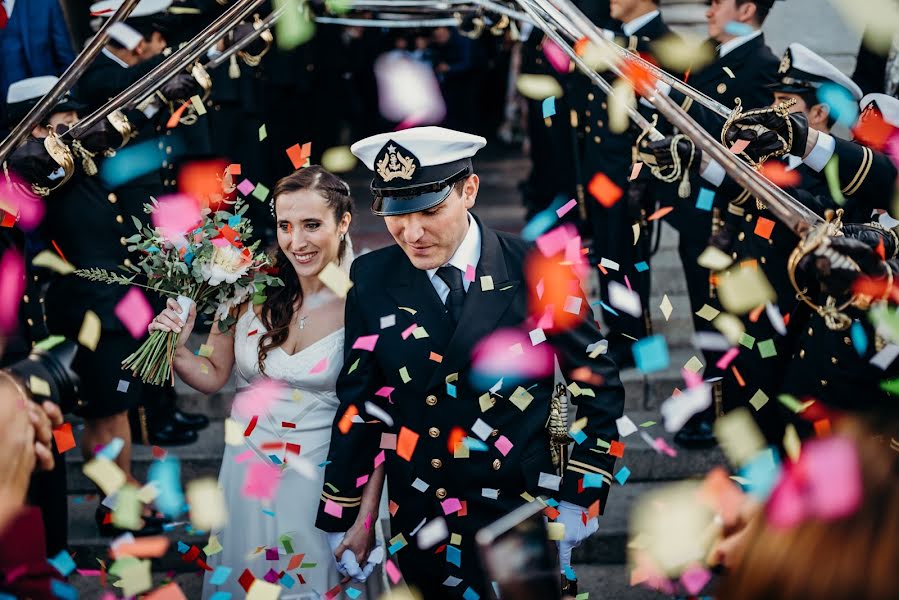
(144, 8)
(431, 145)
(887, 105)
(807, 61)
(29, 89)
(125, 35)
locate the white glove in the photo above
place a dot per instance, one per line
(348, 566)
(575, 531)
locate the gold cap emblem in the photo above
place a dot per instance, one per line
(394, 164)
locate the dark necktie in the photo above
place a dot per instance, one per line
(452, 277)
(4, 18)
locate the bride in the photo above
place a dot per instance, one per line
(296, 337)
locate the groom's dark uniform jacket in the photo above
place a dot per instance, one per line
(423, 484)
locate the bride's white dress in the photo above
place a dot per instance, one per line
(255, 535)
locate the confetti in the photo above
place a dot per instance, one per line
(604, 190)
(64, 438)
(207, 504)
(135, 312)
(651, 354)
(336, 279)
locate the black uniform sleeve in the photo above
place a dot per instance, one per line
(354, 445)
(865, 174)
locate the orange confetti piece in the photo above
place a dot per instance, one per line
(756, 313)
(639, 76)
(604, 190)
(778, 174)
(764, 227)
(8, 219)
(616, 448)
(64, 438)
(298, 155)
(593, 510)
(738, 376)
(456, 437)
(234, 169)
(202, 180)
(660, 213)
(405, 443)
(872, 131)
(63, 256)
(435, 357)
(145, 547)
(346, 421)
(176, 116)
(295, 561)
(822, 427)
(580, 46)
(551, 513)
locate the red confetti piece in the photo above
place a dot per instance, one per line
(251, 426)
(778, 174)
(64, 438)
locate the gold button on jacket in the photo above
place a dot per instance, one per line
(440, 493)
(434, 432)
(431, 400)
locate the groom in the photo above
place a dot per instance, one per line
(460, 450)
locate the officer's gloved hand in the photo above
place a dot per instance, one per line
(674, 149)
(181, 87)
(32, 162)
(570, 515)
(769, 133)
(872, 235)
(840, 261)
(257, 46)
(100, 138)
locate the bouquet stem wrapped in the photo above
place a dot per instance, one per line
(205, 262)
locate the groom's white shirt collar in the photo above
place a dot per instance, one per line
(468, 253)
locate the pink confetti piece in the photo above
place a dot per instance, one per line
(360, 481)
(379, 459)
(627, 282)
(319, 366)
(385, 391)
(503, 445)
(176, 215)
(408, 330)
(694, 579)
(12, 287)
(573, 252)
(556, 56)
(635, 171)
(662, 446)
(258, 397)
(261, 481)
(451, 505)
(565, 208)
(554, 241)
(221, 242)
(739, 146)
(388, 441)
(245, 187)
(540, 288)
(392, 572)
(469, 273)
(368, 521)
(728, 357)
(366, 342)
(546, 321)
(333, 509)
(692, 379)
(245, 456)
(134, 312)
(16, 199)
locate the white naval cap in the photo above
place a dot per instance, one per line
(128, 37)
(415, 168)
(802, 71)
(887, 105)
(30, 89)
(144, 8)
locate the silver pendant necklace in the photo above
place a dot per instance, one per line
(303, 322)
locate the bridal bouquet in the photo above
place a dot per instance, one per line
(196, 255)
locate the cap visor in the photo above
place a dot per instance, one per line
(390, 206)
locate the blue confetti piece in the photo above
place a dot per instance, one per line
(63, 590)
(234, 221)
(220, 575)
(593, 480)
(136, 160)
(608, 308)
(274, 459)
(112, 449)
(474, 444)
(189, 258)
(221, 596)
(470, 594)
(761, 473)
(622, 475)
(353, 593)
(8, 597)
(843, 106)
(859, 338)
(269, 513)
(182, 547)
(738, 29)
(570, 574)
(165, 474)
(578, 436)
(706, 199)
(549, 107)
(324, 464)
(454, 556)
(551, 502)
(451, 389)
(63, 563)
(395, 548)
(651, 354)
(153, 249)
(288, 582)
(641, 266)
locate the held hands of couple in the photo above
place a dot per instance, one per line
(570, 515)
(173, 319)
(352, 549)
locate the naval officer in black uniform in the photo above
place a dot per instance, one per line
(424, 186)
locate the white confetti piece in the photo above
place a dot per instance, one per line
(625, 426)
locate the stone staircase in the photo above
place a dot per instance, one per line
(600, 562)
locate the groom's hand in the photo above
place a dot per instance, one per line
(347, 563)
(571, 516)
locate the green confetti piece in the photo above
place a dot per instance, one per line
(287, 542)
(258, 299)
(647, 423)
(832, 173)
(263, 132)
(791, 402)
(747, 340)
(260, 192)
(306, 565)
(50, 342)
(353, 366)
(295, 27)
(603, 443)
(582, 596)
(891, 386)
(332, 487)
(767, 349)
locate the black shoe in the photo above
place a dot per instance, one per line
(103, 518)
(190, 421)
(696, 435)
(172, 435)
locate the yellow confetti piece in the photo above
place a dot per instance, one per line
(741, 289)
(207, 504)
(234, 433)
(527, 497)
(205, 351)
(730, 327)
(198, 105)
(538, 87)
(792, 444)
(336, 279)
(419, 333)
(693, 365)
(204, 369)
(105, 473)
(635, 228)
(127, 508)
(89, 334)
(38, 386)
(338, 159)
(574, 388)
(739, 436)
(678, 53)
(579, 425)
(666, 307)
(759, 399)
(148, 493)
(461, 451)
(135, 577)
(411, 311)
(486, 283)
(213, 546)
(555, 531)
(714, 259)
(729, 72)
(404, 374)
(521, 398)
(620, 100)
(455, 539)
(485, 402)
(263, 132)
(50, 260)
(708, 312)
(263, 590)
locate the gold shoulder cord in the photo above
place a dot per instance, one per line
(677, 169)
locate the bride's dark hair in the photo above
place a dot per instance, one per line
(278, 308)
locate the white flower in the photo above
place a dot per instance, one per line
(225, 307)
(227, 265)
